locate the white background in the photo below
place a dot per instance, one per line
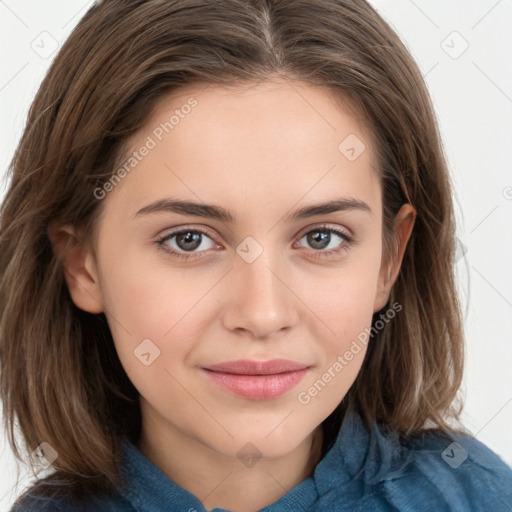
(472, 95)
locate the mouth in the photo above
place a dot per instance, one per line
(250, 367)
(257, 380)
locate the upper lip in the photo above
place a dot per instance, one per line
(249, 367)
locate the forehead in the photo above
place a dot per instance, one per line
(261, 142)
(256, 109)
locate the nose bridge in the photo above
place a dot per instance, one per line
(257, 274)
(262, 303)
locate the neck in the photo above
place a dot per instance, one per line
(221, 481)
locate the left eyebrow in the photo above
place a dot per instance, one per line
(329, 207)
(217, 212)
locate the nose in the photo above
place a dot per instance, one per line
(260, 301)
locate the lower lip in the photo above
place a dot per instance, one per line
(257, 387)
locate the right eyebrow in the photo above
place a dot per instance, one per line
(187, 208)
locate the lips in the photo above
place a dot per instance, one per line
(248, 367)
(257, 380)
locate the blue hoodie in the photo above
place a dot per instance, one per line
(363, 470)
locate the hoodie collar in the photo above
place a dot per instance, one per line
(359, 457)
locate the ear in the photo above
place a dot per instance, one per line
(79, 267)
(390, 267)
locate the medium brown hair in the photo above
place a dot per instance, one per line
(61, 378)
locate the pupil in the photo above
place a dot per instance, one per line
(320, 240)
(188, 241)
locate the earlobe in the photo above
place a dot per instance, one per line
(79, 267)
(404, 223)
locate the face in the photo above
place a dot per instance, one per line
(268, 277)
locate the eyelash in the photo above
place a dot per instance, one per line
(347, 242)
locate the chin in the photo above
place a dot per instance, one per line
(264, 441)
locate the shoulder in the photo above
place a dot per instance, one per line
(54, 504)
(379, 469)
(31, 503)
(435, 469)
(59, 500)
(460, 471)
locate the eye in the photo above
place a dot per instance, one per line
(325, 237)
(190, 243)
(185, 242)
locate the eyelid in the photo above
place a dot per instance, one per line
(188, 227)
(327, 227)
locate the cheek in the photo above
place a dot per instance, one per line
(148, 321)
(346, 307)
(151, 301)
(343, 298)
(344, 301)
(150, 297)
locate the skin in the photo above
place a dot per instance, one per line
(261, 152)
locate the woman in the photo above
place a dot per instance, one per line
(298, 348)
